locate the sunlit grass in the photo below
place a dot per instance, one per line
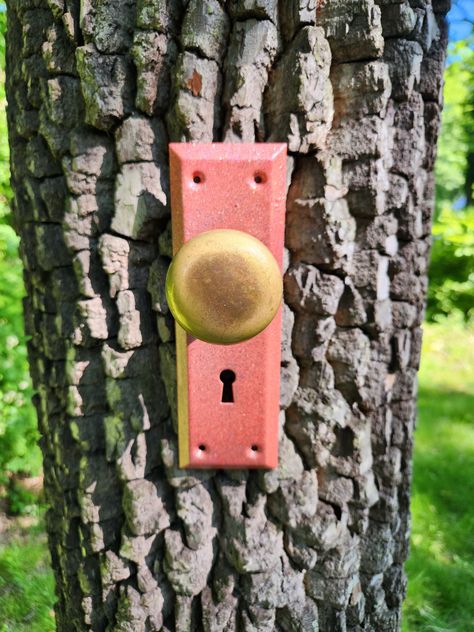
(26, 583)
(441, 565)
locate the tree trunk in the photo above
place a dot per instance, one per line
(95, 94)
(469, 183)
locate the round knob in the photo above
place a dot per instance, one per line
(224, 286)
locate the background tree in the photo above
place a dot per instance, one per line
(463, 20)
(469, 130)
(451, 288)
(94, 96)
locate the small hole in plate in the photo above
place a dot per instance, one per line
(259, 178)
(198, 178)
(254, 448)
(202, 447)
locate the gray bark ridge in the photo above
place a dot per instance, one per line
(95, 93)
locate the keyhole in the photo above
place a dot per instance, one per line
(227, 378)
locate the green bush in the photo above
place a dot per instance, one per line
(456, 140)
(18, 435)
(451, 288)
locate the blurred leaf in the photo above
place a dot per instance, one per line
(451, 287)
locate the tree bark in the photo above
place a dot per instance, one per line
(95, 94)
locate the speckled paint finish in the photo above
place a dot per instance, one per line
(241, 187)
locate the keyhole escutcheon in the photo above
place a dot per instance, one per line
(227, 378)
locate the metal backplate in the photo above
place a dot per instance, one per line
(241, 187)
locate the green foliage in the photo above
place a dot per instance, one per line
(451, 288)
(441, 564)
(21, 501)
(452, 262)
(456, 136)
(18, 434)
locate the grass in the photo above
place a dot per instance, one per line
(441, 565)
(26, 580)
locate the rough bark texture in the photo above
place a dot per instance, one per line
(95, 93)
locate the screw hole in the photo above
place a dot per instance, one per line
(254, 448)
(202, 447)
(259, 178)
(198, 178)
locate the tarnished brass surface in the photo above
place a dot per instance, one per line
(224, 286)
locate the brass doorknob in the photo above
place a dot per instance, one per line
(224, 286)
